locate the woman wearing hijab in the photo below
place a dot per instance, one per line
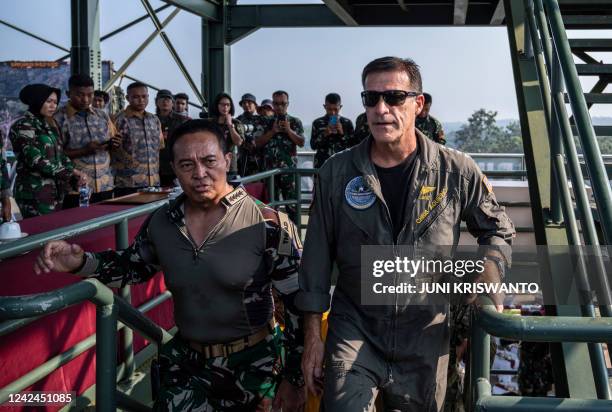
(222, 110)
(44, 172)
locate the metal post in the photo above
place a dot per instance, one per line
(271, 190)
(586, 133)
(479, 364)
(122, 242)
(106, 357)
(85, 52)
(298, 204)
(555, 205)
(215, 56)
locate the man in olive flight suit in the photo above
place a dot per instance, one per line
(396, 187)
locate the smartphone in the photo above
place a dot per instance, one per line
(282, 118)
(333, 120)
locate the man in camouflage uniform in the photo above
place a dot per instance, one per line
(88, 136)
(170, 120)
(429, 125)
(221, 251)
(44, 172)
(327, 138)
(136, 161)
(279, 141)
(362, 130)
(250, 160)
(5, 183)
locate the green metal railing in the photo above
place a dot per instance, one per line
(110, 308)
(19, 311)
(536, 329)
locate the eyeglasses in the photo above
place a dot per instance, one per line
(280, 104)
(370, 98)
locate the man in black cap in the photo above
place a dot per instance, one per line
(249, 158)
(170, 120)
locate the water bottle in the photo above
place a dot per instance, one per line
(84, 196)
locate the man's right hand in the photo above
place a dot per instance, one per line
(59, 256)
(312, 363)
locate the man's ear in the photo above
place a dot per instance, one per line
(420, 103)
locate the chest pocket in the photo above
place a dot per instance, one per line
(438, 222)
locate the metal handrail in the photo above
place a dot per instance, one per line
(109, 309)
(36, 241)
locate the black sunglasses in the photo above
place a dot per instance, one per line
(371, 98)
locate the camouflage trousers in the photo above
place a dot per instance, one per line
(235, 383)
(32, 207)
(285, 185)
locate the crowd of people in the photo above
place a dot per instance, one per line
(60, 149)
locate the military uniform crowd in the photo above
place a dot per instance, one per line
(60, 149)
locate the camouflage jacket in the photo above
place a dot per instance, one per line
(431, 127)
(334, 143)
(43, 169)
(78, 129)
(5, 182)
(362, 130)
(136, 162)
(249, 157)
(222, 287)
(280, 151)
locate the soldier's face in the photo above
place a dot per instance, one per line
(281, 103)
(81, 97)
(249, 106)
(180, 105)
(201, 167)
(389, 124)
(49, 106)
(165, 104)
(425, 111)
(332, 109)
(138, 98)
(267, 111)
(98, 102)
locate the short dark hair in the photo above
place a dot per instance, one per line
(103, 95)
(428, 98)
(80, 80)
(214, 108)
(392, 64)
(194, 126)
(181, 96)
(136, 85)
(333, 98)
(280, 93)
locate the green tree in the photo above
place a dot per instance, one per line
(482, 134)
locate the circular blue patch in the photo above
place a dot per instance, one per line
(358, 194)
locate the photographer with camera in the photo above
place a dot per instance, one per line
(331, 133)
(279, 142)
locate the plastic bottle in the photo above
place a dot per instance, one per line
(84, 196)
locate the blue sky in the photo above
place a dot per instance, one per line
(463, 68)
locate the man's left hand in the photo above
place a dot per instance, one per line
(289, 398)
(339, 128)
